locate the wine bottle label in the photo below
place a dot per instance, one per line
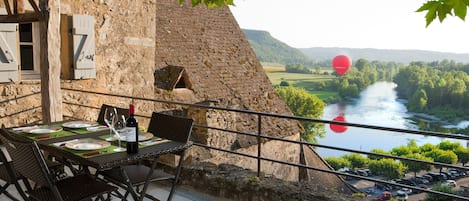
(131, 134)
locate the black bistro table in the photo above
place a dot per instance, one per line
(53, 144)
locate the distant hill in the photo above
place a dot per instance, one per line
(269, 49)
(400, 56)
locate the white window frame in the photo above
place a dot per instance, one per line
(34, 74)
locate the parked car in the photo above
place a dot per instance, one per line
(457, 172)
(423, 186)
(362, 173)
(370, 191)
(437, 176)
(406, 182)
(384, 187)
(420, 180)
(353, 172)
(428, 177)
(404, 191)
(451, 183)
(448, 175)
(368, 171)
(404, 197)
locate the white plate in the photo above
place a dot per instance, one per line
(87, 144)
(42, 130)
(78, 124)
(142, 136)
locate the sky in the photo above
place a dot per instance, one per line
(380, 24)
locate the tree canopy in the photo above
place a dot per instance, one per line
(303, 104)
(210, 3)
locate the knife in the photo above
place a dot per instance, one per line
(94, 153)
(151, 142)
(43, 137)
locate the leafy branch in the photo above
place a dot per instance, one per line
(443, 8)
(210, 3)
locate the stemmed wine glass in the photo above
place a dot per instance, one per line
(120, 131)
(110, 117)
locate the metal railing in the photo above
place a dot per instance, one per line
(259, 136)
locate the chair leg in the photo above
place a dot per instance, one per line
(4, 188)
(145, 186)
(20, 190)
(176, 177)
(10, 196)
(27, 185)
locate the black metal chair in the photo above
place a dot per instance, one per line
(165, 126)
(120, 111)
(10, 176)
(29, 161)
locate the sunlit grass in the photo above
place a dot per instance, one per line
(277, 74)
(323, 95)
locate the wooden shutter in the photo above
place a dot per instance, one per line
(83, 46)
(8, 52)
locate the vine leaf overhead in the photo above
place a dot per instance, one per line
(16, 14)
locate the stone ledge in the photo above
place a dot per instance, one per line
(235, 183)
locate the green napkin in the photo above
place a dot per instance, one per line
(46, 136)
(87, 153)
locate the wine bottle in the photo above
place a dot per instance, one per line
(132, 131)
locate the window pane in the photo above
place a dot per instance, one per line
(26, 52)
(26, 34)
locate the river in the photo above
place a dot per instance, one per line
(377, 105)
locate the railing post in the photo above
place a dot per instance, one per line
(259, 131)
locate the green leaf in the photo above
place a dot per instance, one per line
(460, 8)
(431, 14)
(443, 11)
(427, 6)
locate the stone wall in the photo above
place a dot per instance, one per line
(228, 182)
(216, 65)
(125, 46)
(20, 103)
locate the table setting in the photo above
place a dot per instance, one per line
(87, 147)
(42, 132)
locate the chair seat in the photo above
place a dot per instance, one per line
(73, 188)
(136, 173)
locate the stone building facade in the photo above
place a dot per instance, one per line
(159, 49)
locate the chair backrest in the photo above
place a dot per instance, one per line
(171, 127)
(27, 158)
(120, 111)
(10, 175)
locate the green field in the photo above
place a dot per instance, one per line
(277, 73)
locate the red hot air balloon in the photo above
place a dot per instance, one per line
(338, 128)
(341, 64)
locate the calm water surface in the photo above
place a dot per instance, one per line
(377, 105)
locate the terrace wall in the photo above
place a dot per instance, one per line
(141, 43)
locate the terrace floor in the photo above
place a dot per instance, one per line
(159, 190)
